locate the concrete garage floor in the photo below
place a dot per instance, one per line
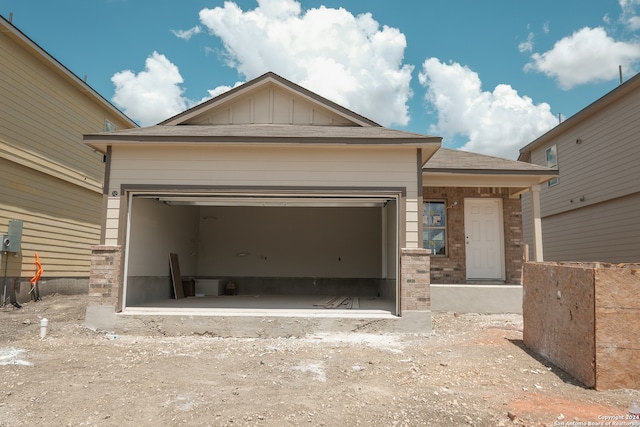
(266, 306)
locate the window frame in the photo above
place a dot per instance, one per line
(551, 156)
(426, 227)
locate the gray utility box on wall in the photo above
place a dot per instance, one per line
(12, 241)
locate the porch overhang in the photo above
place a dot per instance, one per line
(516, 181)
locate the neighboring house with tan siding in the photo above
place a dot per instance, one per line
(49, 179)
(590, 213)
(283, 193)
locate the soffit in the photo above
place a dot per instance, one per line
(455, 168)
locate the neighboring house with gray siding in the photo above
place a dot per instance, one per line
(591, 212)
(49, 180)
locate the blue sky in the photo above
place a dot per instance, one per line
(487, 76)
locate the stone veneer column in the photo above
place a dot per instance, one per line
(104, 279)
(415, 280)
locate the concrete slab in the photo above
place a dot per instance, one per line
(477, 298)
(257, 326)
(100, 318)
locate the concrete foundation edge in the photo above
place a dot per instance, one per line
(412, 322)
(483, 299)
(100, 318)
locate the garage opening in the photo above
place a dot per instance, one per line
(257, 251)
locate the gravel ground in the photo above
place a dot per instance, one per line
(472, 371)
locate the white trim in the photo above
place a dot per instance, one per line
(500, 225)
(383, 241)
(126, 252)
(538, 254)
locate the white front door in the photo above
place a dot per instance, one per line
(484, 239)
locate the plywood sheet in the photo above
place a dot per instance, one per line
(176, 278)
(558, 313)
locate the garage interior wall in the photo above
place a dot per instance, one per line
(264, 250)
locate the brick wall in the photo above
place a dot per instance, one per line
(415, 293)
(451, 269)
(105, 277)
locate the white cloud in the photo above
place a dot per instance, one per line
(497, 123)
(527, 45)
(348, 59)
(151, 95)
(214, 92)
(628, 16)
(187, 34)
(588, 55)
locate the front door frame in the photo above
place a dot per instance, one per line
(498, 233)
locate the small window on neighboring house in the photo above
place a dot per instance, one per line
(434, 224)
(552, 162)
(109, 126)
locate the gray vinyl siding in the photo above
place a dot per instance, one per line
(606, 232)
(603, 166)
(592, 213)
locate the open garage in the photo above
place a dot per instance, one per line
(267, 197)
(314, 246)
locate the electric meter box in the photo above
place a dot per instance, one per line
(12, 241)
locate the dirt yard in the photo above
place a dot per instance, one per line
(472, 371)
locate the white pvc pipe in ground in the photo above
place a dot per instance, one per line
(43, 327)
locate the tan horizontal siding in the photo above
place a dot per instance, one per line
(304, 166)
(313, 167)
(37, 192)
(43, 113)
(60, 221)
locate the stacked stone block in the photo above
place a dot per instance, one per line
(105, 277)
(415, 281)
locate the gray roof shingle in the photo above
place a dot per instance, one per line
(263, 133)
(457, 161)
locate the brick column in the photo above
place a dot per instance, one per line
(105, 282)
(415, 280)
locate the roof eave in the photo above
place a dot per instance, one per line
(521, 180)
(602, 102)
(101, 141)
(61, 69)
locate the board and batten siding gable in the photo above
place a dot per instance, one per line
(297, 166)
(269, 105)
